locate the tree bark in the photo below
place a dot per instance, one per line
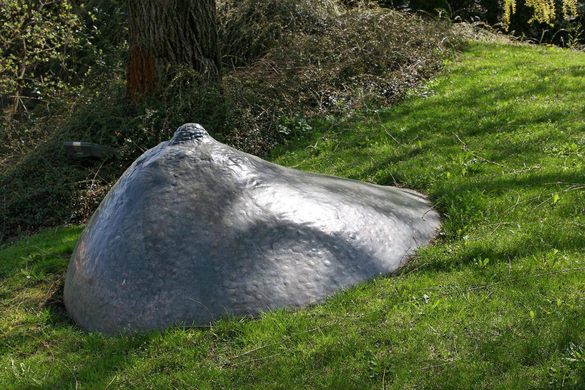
(165, 32)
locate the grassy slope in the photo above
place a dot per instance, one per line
(496, 302)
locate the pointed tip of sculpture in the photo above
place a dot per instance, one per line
(189, 133)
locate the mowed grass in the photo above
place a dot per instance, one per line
(497, 301)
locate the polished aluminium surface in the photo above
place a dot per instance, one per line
(195, 229)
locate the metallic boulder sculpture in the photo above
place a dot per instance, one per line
(195, 229)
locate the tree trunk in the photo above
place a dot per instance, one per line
(164, 32)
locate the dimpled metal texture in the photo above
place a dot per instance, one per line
(195, 229)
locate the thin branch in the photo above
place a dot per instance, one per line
(285, 339)
(475, 154)
(438, 365)
(391, 136)
(255, 359)
(206, 308)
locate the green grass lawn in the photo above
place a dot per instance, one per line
(497, 301)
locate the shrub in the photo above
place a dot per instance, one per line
(48, 51)
(48, 187)
(248, 29)
(362, 58)
(286, 63)
(553, 21)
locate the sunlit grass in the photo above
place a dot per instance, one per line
(497, 143)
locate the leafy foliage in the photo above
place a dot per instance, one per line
(286, 64)
(357, 59)
(554, 21)
(38, 43)
(248, 29)
(48, 51)
(544, 10)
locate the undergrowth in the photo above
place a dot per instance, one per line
(285, 64)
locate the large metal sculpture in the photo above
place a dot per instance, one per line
(195, 229)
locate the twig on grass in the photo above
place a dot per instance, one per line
(285, 339)
(206, 308)
(575, 187)
(183, 383)
(509, 266)
(536, 168)
(471, 289)
(428, 211)
(391, 136)
(384, 379)
(255, 359)
(324, 136)
(508, 212)
(52, 361)
(413, 270)
(477, 155)
(437, 365)
(112, 381)
(534, 276)
(71, 371)
(196, 326)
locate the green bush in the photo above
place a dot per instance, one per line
(566, 32)
(363, 58)
(49, 188)
(285, 63)
(48, 51)
(248, 29)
